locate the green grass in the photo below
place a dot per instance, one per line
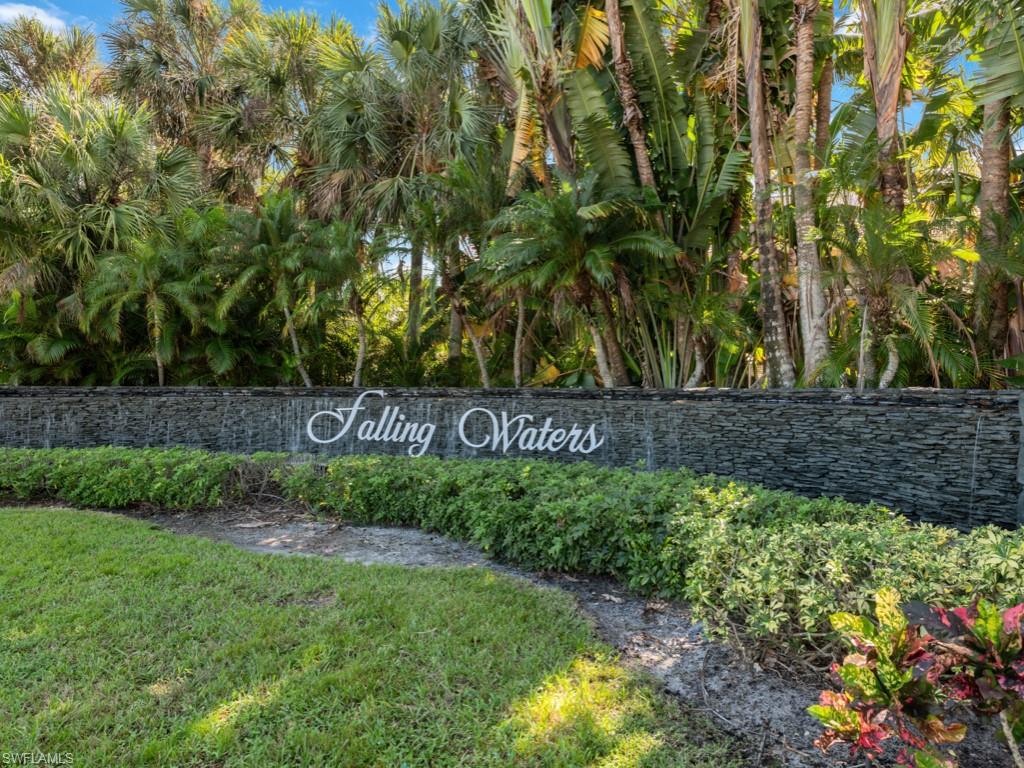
(126, 645)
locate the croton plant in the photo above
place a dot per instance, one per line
(909, 668)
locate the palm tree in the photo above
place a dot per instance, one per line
(279, 247)
(568, 245)
(395, 115)
(812, 306)
(999, 30)
(87, 177)
(776, 335)
(271, 66)
(886, 41)
(152, 277)
(167, 55)
(31, 55)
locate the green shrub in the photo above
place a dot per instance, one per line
(121, 477)
(754, 563)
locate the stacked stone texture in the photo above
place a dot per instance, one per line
(941, 455)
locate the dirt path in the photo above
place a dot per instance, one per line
(659, 637)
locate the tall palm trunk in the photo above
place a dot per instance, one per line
(632, 115)
(357, 308)
(159, 366)
(603, 369)
(992, 290)
(865, 361)
(448, 287)
(296, 350)
(714, 16)
(478, 351)
(157, 334)
(773, 318)
(885, 52)
(813, 309)
(616, 358)
(412, 330)
(697, 377)
(823, 114)
(892, 364)
(454, 340)
(520, 338)
(450, 267)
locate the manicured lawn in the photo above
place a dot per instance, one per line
(125, 645)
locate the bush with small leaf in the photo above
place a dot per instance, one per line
(761, 567)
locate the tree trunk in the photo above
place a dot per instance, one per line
(632, 115)
(449, 289)
(773, 318)
(290, 328)
(603, 370)
(698, 369)
(451, 266)
(714, 16)
(992, 286)
(823, 117)
(735, 280)
(885, 51)
(159, 367)
(865, 361)
(529, 363)
(357, 306)
(412, 337)
(517, 350)
(812, 307)
(616, 359)
(892, 365)
(454, 339)
(478, 350)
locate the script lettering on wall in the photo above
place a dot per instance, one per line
(478, 427)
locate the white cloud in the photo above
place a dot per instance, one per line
(11, 11)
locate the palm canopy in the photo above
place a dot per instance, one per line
(662, 189)
(32, 54)
(87, 175)
(397, 110)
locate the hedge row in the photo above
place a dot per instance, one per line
(118, 478)
(753, 563)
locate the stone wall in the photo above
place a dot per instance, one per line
(949, 456)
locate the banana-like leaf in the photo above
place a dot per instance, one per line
(706, 146)
(658, 87)
(525, 136)
(1002, 63)
(538, 16)
(593, 39)
(602, 144)
(731, 173)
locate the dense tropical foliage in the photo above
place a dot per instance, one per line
(657, 193)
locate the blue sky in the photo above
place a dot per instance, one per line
(98, 13)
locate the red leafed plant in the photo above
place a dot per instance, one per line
(908, 664)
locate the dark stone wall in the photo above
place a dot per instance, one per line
(947, 456)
